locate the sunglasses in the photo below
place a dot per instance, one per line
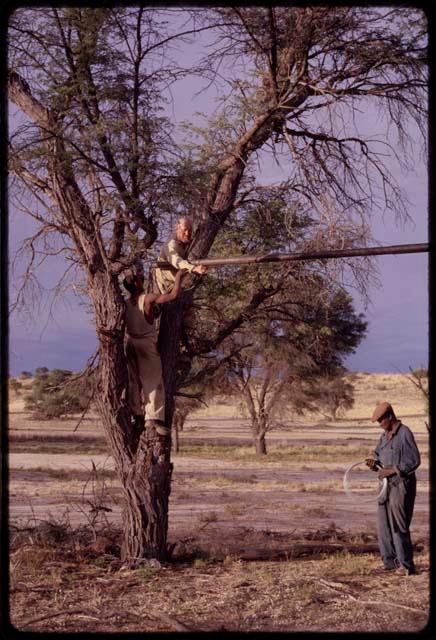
(383, 417)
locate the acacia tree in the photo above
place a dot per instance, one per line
(293, 344)
(92, 151)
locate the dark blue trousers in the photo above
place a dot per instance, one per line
(393, 522)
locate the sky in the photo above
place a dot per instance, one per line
(398, 320)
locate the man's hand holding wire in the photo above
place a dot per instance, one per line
(372, 464)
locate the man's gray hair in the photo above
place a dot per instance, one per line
(187, 220)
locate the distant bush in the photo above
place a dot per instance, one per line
(15, 385)
(419, 378)
(58, 393)
(25, 375)
(334, 394)
(41, 371)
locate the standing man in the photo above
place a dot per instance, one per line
(174, 252)
(398, 456)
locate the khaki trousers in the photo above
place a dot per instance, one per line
(145, 374)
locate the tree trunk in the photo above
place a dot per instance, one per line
(259, 431)
(147, 488)
(142, 459)
(261, 444)
(144, 469)
(168, 345)
(175, 429)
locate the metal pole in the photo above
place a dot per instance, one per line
(311, 255)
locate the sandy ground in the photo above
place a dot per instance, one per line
(221, 504)
(280, 496)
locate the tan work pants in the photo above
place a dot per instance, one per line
(145, 373)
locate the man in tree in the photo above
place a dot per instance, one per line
(143, 359)
(174, 252)
(398, 455)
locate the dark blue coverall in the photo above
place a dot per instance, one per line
(397, 448)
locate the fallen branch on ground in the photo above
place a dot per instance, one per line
(299, 550)
(59, 613)
(173, 622)
(339, 587)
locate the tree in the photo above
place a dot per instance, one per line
(332, 393)
(41, 371)
(419, 378)
(90, 153)
(96, 158)
(288, 355)
(15, 386)
(183, 406)
(59, 393)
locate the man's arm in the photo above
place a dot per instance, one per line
(410, 457)
(176, 260)
(161, 298)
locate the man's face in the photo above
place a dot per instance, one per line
(386, 422)
(183, 232)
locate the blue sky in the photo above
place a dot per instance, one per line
(397, 314)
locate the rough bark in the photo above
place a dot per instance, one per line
(168, 344)
(260, 444)
(146, 489)
(143, 463)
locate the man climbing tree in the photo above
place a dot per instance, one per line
(101, 172)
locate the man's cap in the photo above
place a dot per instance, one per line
(380, 410)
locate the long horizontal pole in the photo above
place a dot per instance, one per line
(310, 255)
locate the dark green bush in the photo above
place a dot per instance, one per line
(15, 385)
(58, 393)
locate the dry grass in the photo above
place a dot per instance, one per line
(224, 499)
(55, 443)
(278, 453)
(84, 588)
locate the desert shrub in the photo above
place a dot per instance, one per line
(25, 375)
(41, 371)
(419, 378)
(58, 393)
(15, 385)
(332, 394)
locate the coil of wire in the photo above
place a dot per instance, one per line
(383, 488)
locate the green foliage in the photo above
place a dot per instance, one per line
(15, 385)
(332, 394)
(39, 371)
(58, 393)
(300, 324)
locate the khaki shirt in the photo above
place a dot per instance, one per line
(137, 326)
(173, 252)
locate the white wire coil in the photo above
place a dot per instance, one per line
(351, 494)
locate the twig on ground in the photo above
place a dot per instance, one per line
(338, 586)
(384, 603)
(59, 613)
(173, 622)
